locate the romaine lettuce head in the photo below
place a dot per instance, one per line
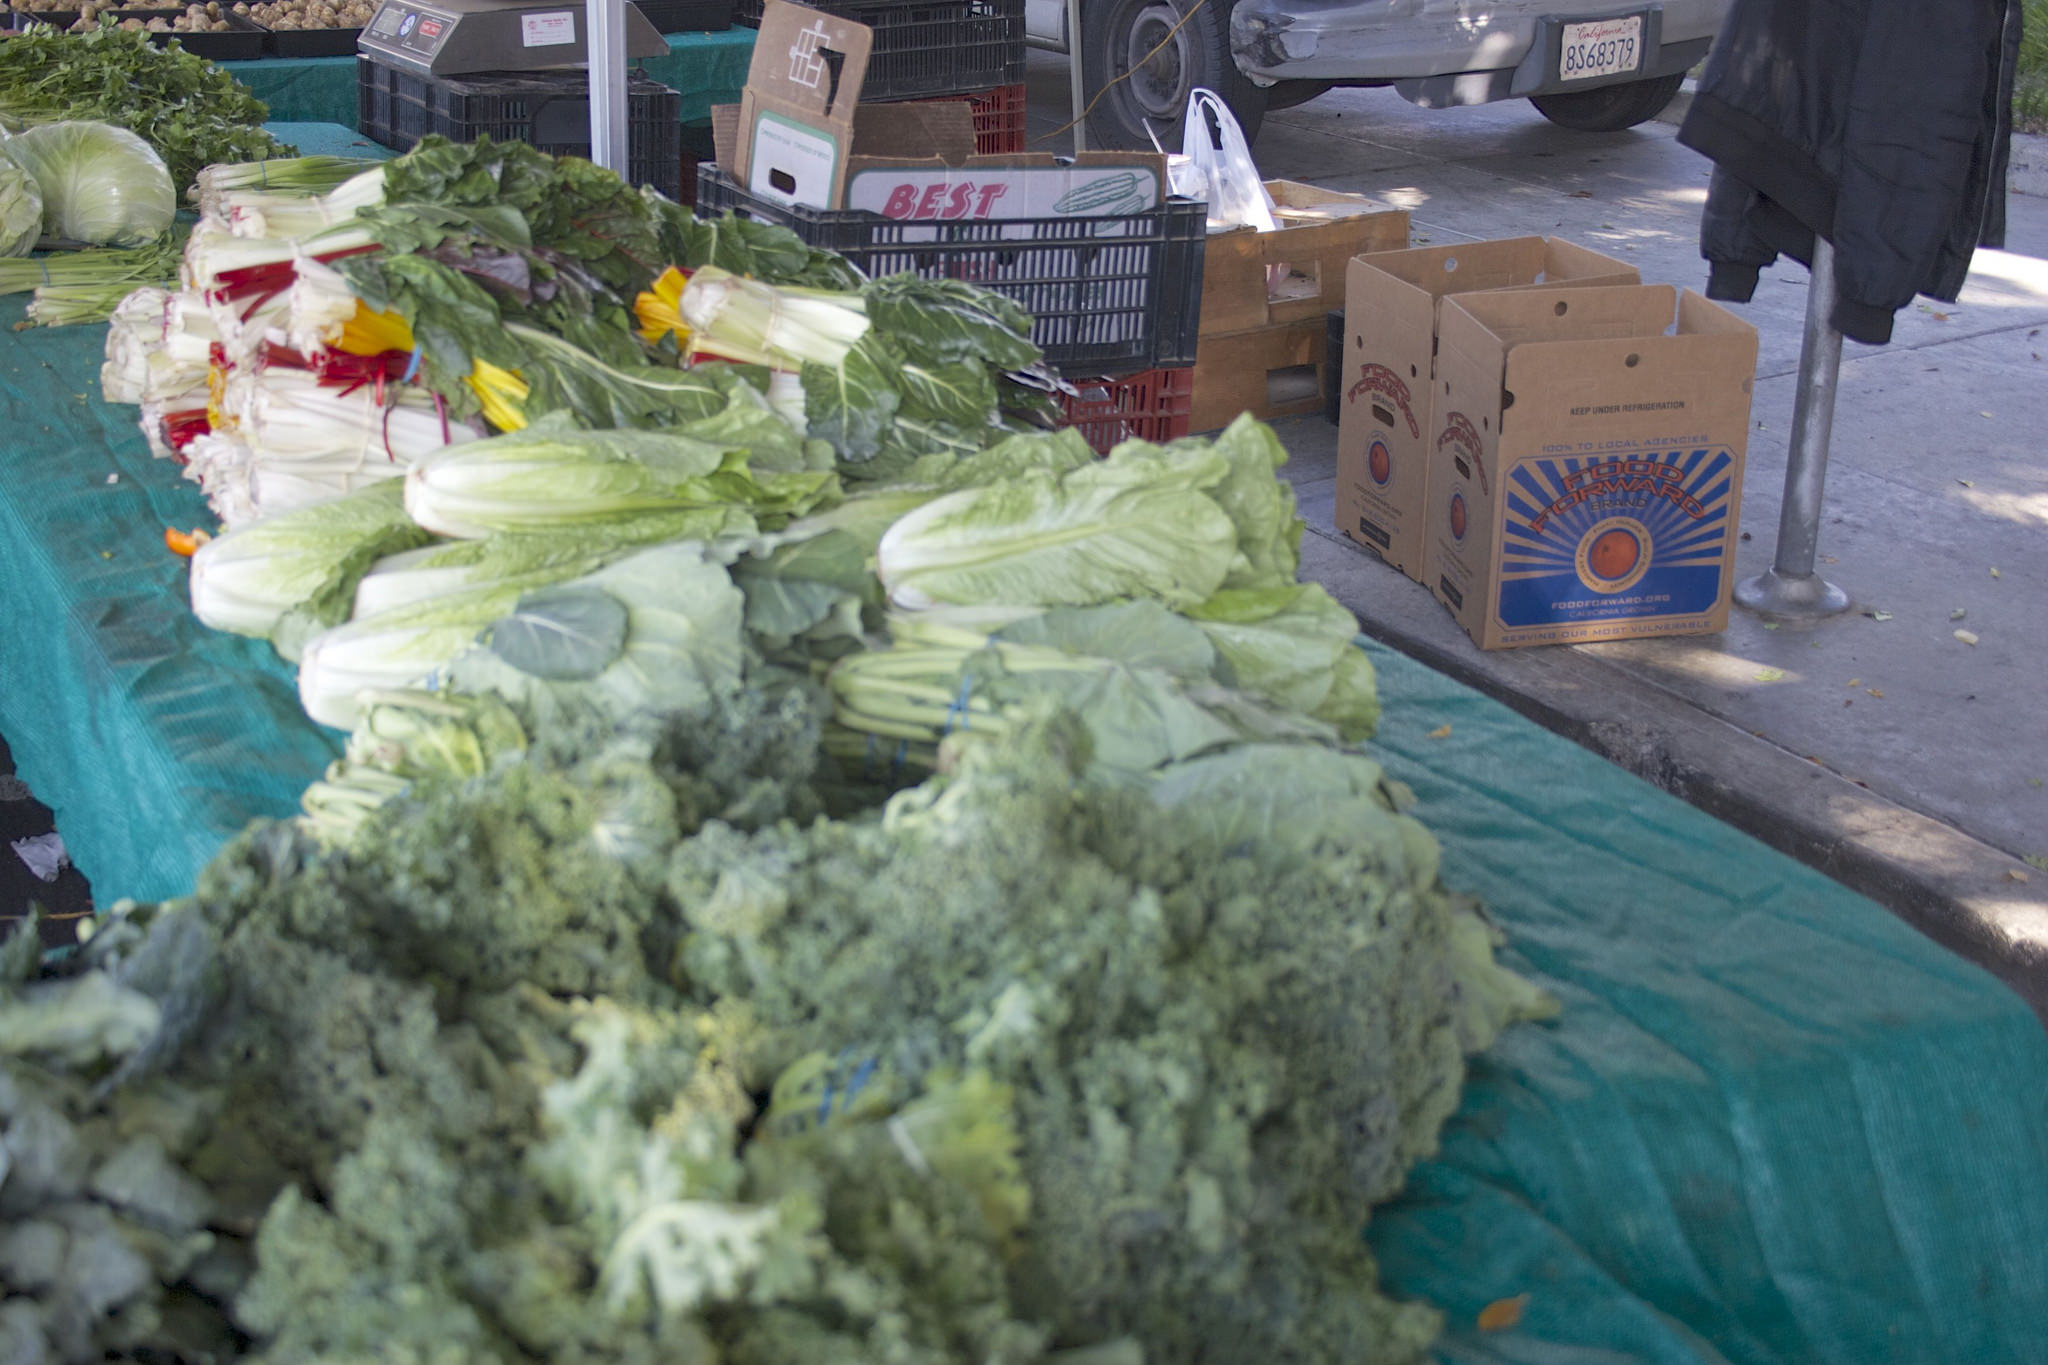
(21, 209)
(101, 185)
(250, 579)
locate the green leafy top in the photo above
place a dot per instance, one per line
(193, 112)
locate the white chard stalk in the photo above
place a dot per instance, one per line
(760, 324)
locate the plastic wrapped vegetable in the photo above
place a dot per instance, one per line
(100, 185)
(21, 210)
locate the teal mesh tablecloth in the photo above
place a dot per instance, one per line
(708, 68)
(151, 737)
(1773, 1124)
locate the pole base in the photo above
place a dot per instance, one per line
(1776, 594)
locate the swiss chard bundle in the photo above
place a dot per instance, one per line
(902, 369)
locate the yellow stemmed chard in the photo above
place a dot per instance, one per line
(368, 332)
(658, 308)
(501, 392)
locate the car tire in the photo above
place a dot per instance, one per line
(1609, 108)
(1116, 35)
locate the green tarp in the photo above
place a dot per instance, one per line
(1773, 1125)
(707, 68)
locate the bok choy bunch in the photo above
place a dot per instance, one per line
(1203, 528)
(658, 630)
(732, 469)
(301, 565)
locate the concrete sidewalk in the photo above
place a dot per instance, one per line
(1876, 746)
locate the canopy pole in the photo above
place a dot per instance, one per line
(1791, 587)
(1077, 76)
(604, 32)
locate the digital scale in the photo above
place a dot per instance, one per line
(460, 37)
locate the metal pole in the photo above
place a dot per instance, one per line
(1077, 76)
(1791, 587)
(604, 33)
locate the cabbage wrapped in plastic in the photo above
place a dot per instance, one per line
(100, 185)
(21, 210)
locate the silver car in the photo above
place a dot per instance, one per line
(1597, 65)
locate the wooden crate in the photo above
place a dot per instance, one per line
(1321, 230)
(1268, 372)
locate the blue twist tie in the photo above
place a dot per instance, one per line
(957, 711)
(412, 367)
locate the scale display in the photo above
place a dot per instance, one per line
(458, 37)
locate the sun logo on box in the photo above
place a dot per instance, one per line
(1614, 554)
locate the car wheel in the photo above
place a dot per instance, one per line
(1142, 61)
(1609, 108)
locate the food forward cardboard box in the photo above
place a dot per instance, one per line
(802, 137)
(1386, 417)
(1256, 279)
(1586, 481)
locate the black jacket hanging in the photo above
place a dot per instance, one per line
(1882, 126)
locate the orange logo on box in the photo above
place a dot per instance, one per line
(1378, 379)
(1459, 432)
(1614, 555)
(1458, 516)
(1379, 462)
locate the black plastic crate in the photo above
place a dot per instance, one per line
(313, 42)
(1106, 295)
(688, 16)
(935, 47)
(547, 109)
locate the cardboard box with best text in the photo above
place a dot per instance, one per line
(1386, 419)
(1586, 477)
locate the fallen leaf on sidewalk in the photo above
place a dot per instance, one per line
(1994, 573)
(1878, 615)
(1966, 483)
(1967, 637)
(1770, 625)
(1580, 194)
(1958, 614)
(1441, 732)
(2036, 860)
(2019, 876)
(1877, 692)
(1502, 1314)
(1770, 674)
(1855, 682)
(1985, 415)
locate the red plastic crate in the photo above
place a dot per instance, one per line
(1151, 405)
(998, 119)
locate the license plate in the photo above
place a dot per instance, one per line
(1601, 47)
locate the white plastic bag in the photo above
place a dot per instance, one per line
(1220, 164)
